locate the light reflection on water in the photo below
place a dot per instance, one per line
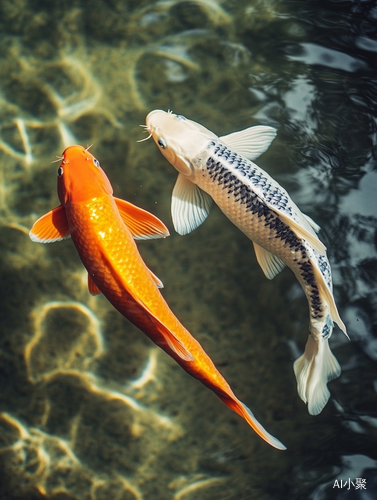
(91, 73)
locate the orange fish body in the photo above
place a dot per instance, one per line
(103, 229)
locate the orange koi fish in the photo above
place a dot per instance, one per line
(103, 229)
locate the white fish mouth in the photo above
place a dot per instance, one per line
(149, 125)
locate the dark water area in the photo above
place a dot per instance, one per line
(89, 407)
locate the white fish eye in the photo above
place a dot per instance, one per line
(60, 171)
(180, 117)
(161, 143)
(96, 162)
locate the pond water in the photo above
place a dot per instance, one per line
(89, 407)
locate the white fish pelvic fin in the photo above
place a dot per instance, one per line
(313, 370)
(271, 264)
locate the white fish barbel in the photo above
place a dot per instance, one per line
(221, 168)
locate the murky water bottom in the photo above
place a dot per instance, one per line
(90, 408)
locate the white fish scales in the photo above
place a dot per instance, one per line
(222, 169)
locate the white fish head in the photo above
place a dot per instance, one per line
(178, 138)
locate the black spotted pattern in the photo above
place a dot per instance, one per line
(271, 194)
(325, 269)
(219, 172)
(326, 331)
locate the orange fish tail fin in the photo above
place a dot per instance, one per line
(242, 410)
(248, 415)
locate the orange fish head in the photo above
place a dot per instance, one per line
(80, 177)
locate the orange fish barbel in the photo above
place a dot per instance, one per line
(103, 229)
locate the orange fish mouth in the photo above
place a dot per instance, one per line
(62, 157)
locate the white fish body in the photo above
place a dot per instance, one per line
(222, 169)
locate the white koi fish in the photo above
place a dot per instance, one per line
(222, 169)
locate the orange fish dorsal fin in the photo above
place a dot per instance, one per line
(92, 287)
(177, 346)
(156, 280)
(51, 227)
(173, 342)
(142, 224)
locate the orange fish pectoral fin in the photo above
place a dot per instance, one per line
(142, 224)
(51, 227)
(92, 287)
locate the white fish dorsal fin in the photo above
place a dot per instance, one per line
(190, 205)
(327, 294)
(302, 232)
(251, 142)
(313, 224)
(270, 264)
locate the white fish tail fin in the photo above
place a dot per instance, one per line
(313, 370)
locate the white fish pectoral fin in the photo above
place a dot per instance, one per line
(271, 264)
(313, 370)
(300, 231)
(190, 205)
(313, 224)
(251, 142)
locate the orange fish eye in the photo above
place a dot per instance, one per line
(96, 162)
(60, 171)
